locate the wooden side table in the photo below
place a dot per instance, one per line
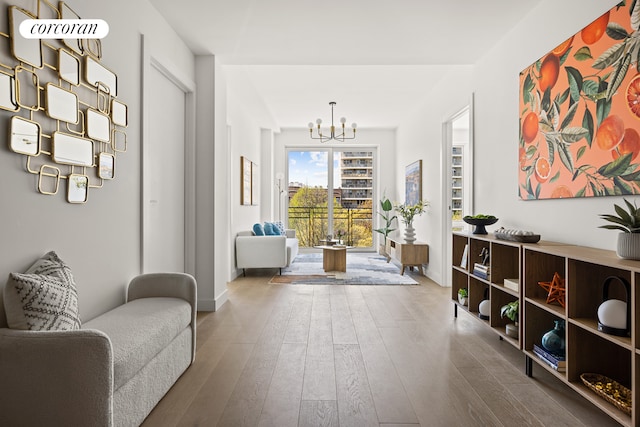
(334, 258)
(408, 255)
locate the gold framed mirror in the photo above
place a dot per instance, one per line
(68, 67)
(8, 92)
(61, 104)
(71, 150)
(106, 165)
(77, 188)
(24, 50)
(24, 136)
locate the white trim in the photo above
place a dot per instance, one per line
(152, 58)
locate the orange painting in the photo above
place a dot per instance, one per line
(580, 112)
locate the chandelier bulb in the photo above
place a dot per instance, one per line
(319, 121)
(310, 125)
(354, 126)
(343, 120)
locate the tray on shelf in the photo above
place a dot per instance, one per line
(522, 238)
(610, 390)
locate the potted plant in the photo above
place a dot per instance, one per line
(628, 222)
(408, 212)
(462, 296)
(385, 208)
(510, 311)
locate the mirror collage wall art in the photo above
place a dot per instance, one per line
(67, 120)
(580, 112)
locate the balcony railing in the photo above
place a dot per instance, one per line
(311, 225)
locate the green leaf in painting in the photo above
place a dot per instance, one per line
(609, 56)
(538, 188)
(587, 123)
(590, 88)
(634, 10)
(565, 156)
(618, 75)
(631, 177)
(546, 100)
(617, 167)
(575, 82)
(571, 113)
(551, 142)
(555, 177)
(580, 192)
(616, 31)
(531, 151)
(563, 97)
(622, 186)
(581, 151)
(603, 106)
(573, 134)
(527, 87)
(594, 189)
(583, 54)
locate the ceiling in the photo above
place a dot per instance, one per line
(376, 58)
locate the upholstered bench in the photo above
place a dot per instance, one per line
(112, 371)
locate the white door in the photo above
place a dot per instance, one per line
(164, 175)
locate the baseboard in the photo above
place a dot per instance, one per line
(222, 298)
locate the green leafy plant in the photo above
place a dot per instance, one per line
(626, 221)
(385, 208)
(463, 292)
(510, 310)
(408, 212)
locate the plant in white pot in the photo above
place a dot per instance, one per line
(385, 208)
(628, 222)
(510, 311)
(462, 296)
(408, 212)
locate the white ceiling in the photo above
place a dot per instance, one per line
(376, 58)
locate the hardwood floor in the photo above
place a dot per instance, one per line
(299, 355)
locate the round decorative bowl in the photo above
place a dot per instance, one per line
(480, 223)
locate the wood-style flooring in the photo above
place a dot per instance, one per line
(300, 355)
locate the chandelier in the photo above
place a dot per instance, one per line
(324, 138)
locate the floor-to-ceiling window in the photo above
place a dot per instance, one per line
(330, 192)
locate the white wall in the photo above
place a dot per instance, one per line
(385, 168)
(420, 137)
(101, 239)
(496, 87)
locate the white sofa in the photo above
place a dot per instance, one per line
(112, 371)
(265, 251)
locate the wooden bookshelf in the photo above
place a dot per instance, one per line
(584, 271)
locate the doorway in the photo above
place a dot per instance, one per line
(168, 199)
(457, 179)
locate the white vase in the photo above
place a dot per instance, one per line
(409, 234)
(628, 245)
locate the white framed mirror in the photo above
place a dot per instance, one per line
(8, 92)
(77, 188)
(68, 67)
(106, 165)
(119, 113)
(61, 104)
(26, 50)
(24, 137)
(98, 125)
(72, 150)
(96, 74)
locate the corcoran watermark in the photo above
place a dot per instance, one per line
(64, 29)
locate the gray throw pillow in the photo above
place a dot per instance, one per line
(44, 298)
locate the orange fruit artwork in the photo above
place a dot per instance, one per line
(633, 96)
(579, 112)
(549, 72)
(530, 127)
(630, 144)
(594, 31)
(610, 132)
(543, 169)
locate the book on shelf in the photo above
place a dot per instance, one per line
(465, 254)
(513, 284)
(481, 271)
(555, 361)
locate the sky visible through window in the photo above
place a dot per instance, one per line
(310, 168)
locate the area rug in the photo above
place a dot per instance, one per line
(362, 269)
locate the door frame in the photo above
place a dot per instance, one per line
(447, 144)
(152, 57)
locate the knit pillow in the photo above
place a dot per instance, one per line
(258, 230)
(44, 298)
(280, 228)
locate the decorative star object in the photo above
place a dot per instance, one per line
(555, 289)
